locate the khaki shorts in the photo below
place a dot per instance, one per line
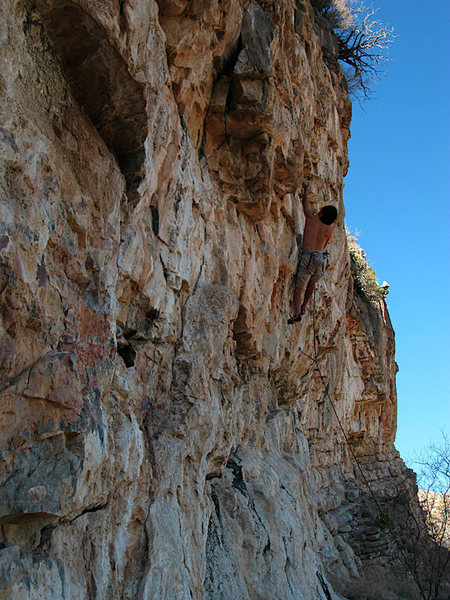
(311, 265)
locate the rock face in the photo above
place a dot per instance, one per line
(161, 434)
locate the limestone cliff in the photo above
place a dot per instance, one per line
(161, 434)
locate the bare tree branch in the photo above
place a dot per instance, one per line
(362, 41)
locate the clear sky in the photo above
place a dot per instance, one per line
(397, 197)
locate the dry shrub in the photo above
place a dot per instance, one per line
(362, 41)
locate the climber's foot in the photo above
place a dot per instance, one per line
(295, 319)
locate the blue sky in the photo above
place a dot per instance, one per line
(397, 197)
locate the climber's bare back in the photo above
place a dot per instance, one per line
(316, 234)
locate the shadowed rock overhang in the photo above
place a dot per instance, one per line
(101, 83)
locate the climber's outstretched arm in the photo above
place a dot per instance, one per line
(296, 215)
(306, 206)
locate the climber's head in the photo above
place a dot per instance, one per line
(328, 214)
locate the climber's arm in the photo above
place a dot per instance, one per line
(306, 206)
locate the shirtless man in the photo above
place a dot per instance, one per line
(311, 263)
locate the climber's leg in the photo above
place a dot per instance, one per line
(298, 298)
(309, 292)
(299, 294)
(301, 281)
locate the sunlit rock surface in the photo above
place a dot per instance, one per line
(161, 434)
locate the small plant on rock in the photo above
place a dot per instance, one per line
(365, 276)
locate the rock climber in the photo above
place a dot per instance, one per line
(311, 263)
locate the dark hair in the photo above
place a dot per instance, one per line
(328, 214)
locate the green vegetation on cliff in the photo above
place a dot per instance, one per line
(365, 277)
